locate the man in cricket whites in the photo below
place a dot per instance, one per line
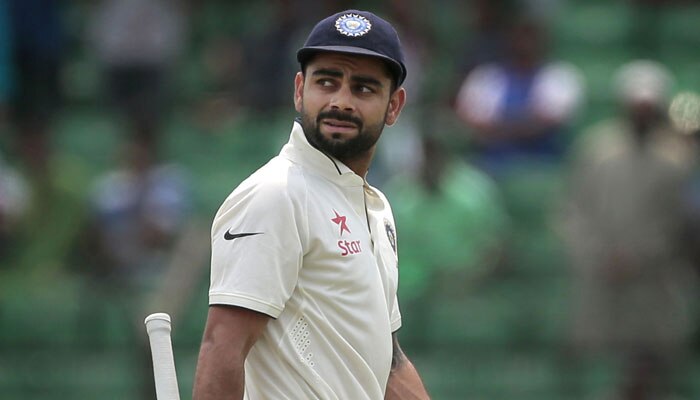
(304, 259)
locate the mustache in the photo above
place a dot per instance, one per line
(340, 116)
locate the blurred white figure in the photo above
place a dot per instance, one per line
(517, 110)
(624, 226)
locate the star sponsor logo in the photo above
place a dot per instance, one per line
(349, 247)
(341, 221)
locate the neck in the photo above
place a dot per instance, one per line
(360, 163)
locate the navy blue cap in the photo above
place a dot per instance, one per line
(356, 32)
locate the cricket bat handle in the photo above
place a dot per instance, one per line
(158, 328)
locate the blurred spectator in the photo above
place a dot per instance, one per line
(467, 222)
(37, 52)
(138, 211)
(517, 110)
(137, 43)
(625, 228)
(223, 65)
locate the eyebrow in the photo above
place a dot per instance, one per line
(363, 79)
(328, 72)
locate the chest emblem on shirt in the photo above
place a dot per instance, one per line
(341, 221)
(347, 247)
(390, 234)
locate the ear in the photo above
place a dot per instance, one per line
(396, 103)
(298, 90)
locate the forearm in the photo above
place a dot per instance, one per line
(217, 377)
(405, 383)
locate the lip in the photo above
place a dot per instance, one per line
(339, 126)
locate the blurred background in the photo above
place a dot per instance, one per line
(543, 176)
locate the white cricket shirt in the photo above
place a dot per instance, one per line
(321, 261)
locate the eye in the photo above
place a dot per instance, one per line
(325, 82)
(364, 89)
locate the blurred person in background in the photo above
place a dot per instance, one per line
(517, 113)
(461, 244)
(624, 228)
(37, 50)
(137, 43)
(137, 213)
(516, 110)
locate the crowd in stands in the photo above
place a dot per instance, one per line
(495, 154)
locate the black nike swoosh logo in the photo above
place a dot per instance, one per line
(230, 236)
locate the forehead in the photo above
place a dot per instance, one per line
(350, 64)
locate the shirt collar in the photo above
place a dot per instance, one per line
(300, 151)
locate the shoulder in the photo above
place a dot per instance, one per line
(379, 194)
(602, 141)
(276, 185)
(383, 204)
(559, 81)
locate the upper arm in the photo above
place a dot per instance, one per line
(235, 328)
(229, 334)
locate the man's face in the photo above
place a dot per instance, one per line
(344, 102)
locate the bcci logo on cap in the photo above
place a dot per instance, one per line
(353, 25)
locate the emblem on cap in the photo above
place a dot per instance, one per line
(353, 25)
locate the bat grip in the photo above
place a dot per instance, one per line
(158, 328)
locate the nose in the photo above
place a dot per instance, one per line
(342, 99)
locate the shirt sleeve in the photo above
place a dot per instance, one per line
(391, 239)
(257, 247)
(395, 316)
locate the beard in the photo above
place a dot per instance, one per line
(335, 145)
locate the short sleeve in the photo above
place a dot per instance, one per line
(395, 315)
(257, 246)
(394, 311)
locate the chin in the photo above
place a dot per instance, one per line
(336, 136)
